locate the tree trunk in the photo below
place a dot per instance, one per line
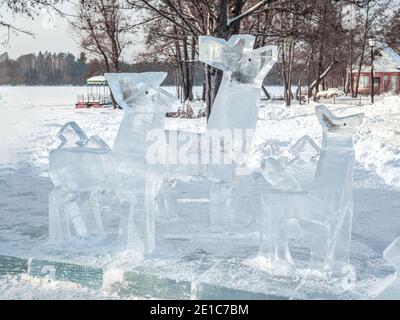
(321, 45)
(322, 76)
(266, 93)
(366, 27)
(207, 89)
(224, 32)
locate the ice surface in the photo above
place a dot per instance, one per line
(327, 206)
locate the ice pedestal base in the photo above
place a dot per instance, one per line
(256, 279)
(163, 278)
(86, 276)
(197, 273)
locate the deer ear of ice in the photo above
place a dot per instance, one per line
(255, 65)
(166, 101)
(268, 57)
(330, 122)
(153, 79)
(128, 88)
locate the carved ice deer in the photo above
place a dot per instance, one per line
(145, 105)
(328, 205)
(235, 109)
(79, 169)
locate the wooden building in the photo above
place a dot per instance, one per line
(386, 77)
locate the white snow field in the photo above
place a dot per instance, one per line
(31, 116)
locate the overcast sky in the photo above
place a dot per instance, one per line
(52, 33)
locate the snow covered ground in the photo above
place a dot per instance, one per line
(31, 116)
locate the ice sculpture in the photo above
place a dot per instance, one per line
(237, 102)
(301, 205)
(81, 167)
(316, 221)
(292, 169)
(392, 254)
(234, 113)
(76, 170)
(304, 163)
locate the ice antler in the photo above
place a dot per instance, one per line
(71, 135)
(237, 57)
(222, 54)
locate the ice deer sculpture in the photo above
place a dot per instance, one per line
(234, 114)
(79, 170)
(320, 217)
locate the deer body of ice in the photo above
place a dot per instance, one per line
(327, 205)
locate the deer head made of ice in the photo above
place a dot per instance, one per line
(144, 104)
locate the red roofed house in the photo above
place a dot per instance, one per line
(386, 73)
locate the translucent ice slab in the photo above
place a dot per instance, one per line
(392, 254)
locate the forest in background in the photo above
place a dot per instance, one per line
(55, 69)
(47, 68)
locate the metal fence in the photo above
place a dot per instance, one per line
(359, 101)
(342, 100)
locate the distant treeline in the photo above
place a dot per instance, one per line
(43, 69)
(66, 69)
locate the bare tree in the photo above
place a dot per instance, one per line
(102, 27)
(391, 31)
(220, 18)
(9, 9)
(371, 11)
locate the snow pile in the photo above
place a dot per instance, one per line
(378, 142)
